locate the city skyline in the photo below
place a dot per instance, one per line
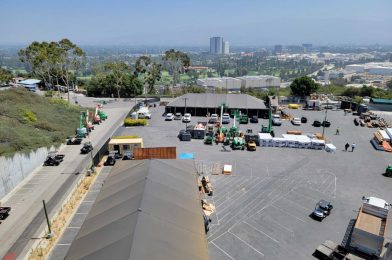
(177, 23)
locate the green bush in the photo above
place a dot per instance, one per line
(29, 116)
(49, 93)
(135, 122)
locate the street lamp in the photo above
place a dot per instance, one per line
(325, 118)
(186, 122)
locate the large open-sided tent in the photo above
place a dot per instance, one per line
(148, 209)
(204, 103)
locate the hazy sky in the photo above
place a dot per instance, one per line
(192, 22)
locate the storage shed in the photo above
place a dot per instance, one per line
(124, 143)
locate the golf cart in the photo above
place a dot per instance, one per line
(316, 123)
(87, 147)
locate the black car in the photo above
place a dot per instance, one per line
(52, 161)
(316, 123)
(4, 212)
(254, 119)
(322, 210)
(87, 147)
(304, 120)
(326, 123)
(74, 140)
(111, 160)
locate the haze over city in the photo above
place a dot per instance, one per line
(191, 23)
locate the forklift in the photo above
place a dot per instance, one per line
(268, 129)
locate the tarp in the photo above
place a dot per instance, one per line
(186, 156)
(146, 209)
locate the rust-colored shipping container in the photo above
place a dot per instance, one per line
(155, 153)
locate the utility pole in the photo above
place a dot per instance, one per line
(186, 123)
(50, 234)
(325, 118)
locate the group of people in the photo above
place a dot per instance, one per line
(347, 145)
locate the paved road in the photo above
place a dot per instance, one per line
(51, 184)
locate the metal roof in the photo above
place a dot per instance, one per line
(29, 81)
(209, 100)
(147, 209)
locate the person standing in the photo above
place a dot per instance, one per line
(353, 147)
(346, 146)
(337, 131)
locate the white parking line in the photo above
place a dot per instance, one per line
(273, 239)
(243, 241)
(288, 214)
(223, 251)
(296, 203)
(277, 223)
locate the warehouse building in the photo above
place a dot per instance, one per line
(148, 209)
(202, 104)
(225, 83)
(263, 81)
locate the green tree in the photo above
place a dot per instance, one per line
(303, 86)
(118, 70)
(176, 63)
(5, 76)
(141, 65)
(153, 75)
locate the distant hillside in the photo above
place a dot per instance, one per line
(29, 121)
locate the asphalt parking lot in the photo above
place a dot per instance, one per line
(263, 209)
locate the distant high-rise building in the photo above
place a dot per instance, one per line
(216, 45)
(226, 48)
(278, 49)
(307, 45)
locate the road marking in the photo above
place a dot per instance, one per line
(227, 254)
(243, 241)
(290, 215)
(273, 239)
(277, 223)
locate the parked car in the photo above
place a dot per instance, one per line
(215, 116)
(322, 210)
(111, 160)
(186, 118)
(4, 212)
(169, 117)
(178, 116)
(304, 120)
(128, 155)
(254, 119)
(296, 121)
(326, 123)
(316, 123)
(87, 147)
(53, 159)
(225, 118)
(276, 120)
(74, 140)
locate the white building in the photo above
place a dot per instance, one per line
(373, 68)
(226, 48)
(231, 84)
(262, 81)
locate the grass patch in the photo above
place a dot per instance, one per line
(29, 121)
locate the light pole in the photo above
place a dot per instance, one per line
(186, 122)
(325, 118)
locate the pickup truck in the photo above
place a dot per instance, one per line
(4, 212)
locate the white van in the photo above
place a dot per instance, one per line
(143, 113)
